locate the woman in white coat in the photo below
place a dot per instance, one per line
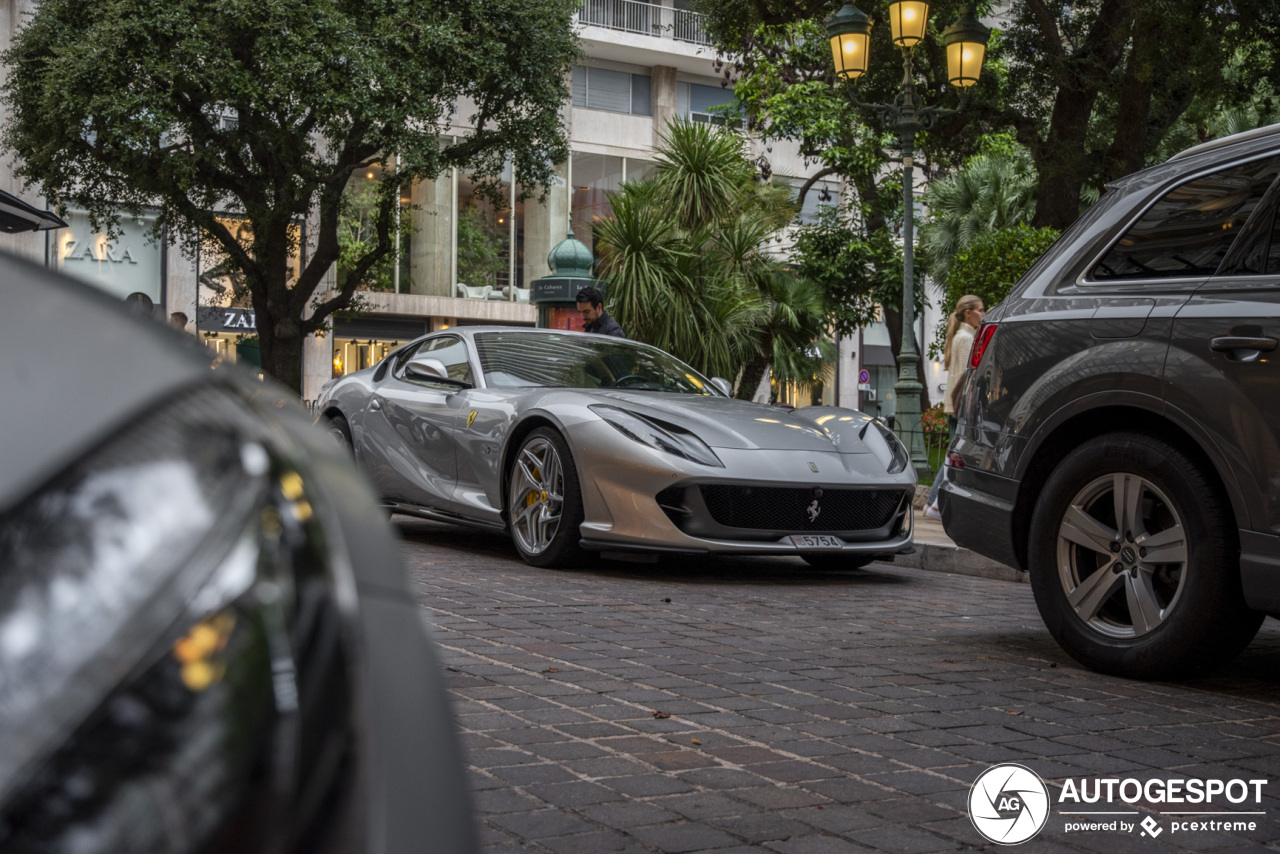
(961, 326)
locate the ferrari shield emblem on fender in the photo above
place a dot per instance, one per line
(813, 467)
(471, 417)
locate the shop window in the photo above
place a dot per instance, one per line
(358, 232)
(823, 194)
(485, 235)
(593, 176)
(126, 264)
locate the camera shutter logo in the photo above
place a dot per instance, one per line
(1008, 804)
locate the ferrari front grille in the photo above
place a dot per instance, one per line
(800, 508)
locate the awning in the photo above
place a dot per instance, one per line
(16, 215)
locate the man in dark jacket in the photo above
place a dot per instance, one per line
(594, 318)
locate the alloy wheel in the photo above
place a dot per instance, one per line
(537, 495)
(1122, 555)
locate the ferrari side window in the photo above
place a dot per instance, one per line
(452, 353)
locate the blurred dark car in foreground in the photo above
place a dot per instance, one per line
(206, 638)
(1117, 436)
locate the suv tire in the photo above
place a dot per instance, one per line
(1099, 589)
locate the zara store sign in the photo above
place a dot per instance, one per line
(130, 263)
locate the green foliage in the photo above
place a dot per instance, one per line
(988, 193)
(482, 247)
(358, 225)
(685, 255)
(127, 108)
(991, 265)
(858, 271)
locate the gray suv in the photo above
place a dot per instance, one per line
(1117, 435)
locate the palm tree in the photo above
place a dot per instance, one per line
(990, 192)
(685, 256)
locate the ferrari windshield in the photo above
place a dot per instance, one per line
(572, 360)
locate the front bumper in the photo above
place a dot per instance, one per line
(647, 501)
(977, 517)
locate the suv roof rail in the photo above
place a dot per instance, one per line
(1256, 133)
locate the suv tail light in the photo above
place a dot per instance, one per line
(980, 341)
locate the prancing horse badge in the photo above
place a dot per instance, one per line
(472, 417)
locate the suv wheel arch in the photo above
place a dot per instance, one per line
(1084, 426)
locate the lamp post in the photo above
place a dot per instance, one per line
(966, 45)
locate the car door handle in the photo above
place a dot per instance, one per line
(375, 405)
(1241, 348)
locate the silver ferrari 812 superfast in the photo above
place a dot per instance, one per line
(580, 443)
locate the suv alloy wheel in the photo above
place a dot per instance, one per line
(1131, 563)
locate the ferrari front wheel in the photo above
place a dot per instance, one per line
(544, 501)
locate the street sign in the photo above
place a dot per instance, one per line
(864, 376)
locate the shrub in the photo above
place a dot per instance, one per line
(990, 266)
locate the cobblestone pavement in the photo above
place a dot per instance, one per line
(759, 705)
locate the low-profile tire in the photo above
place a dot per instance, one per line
(544, 501)
(838, 562)
(340, 430)
(1134, 562)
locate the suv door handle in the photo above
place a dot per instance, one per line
(1242, 349)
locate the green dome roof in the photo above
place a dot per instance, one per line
(570, 258)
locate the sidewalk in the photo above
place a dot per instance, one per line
(935, 551)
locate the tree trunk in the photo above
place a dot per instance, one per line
(752, 374)
(754, 371)
(279, 334)
(1061, 161)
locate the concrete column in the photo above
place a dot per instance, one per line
(545, 225)
(431, 247)
(180, 273)
(317, 364)
(662, 89)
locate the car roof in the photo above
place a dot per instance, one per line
(1269, 132)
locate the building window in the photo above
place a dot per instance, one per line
(615, 91)
(484, 238)
(822, 194)
(594, 176)
(699, 103)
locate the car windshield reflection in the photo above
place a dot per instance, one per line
(572, 360)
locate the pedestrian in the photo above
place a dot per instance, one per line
(594, 318)
(178, 320)
(961, 326)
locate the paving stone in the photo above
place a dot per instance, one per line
(899, 686)
(683, 837)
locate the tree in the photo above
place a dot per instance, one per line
(1090, 87)
(991, 265)
(358, 236)
(266, 109)
(688, 267)
(990, 192)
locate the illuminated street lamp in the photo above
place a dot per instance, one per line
(965, 42)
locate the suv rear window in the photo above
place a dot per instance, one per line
(1188, 232)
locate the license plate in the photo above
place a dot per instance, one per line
(816, 541)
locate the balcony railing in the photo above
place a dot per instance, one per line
(649, 19)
